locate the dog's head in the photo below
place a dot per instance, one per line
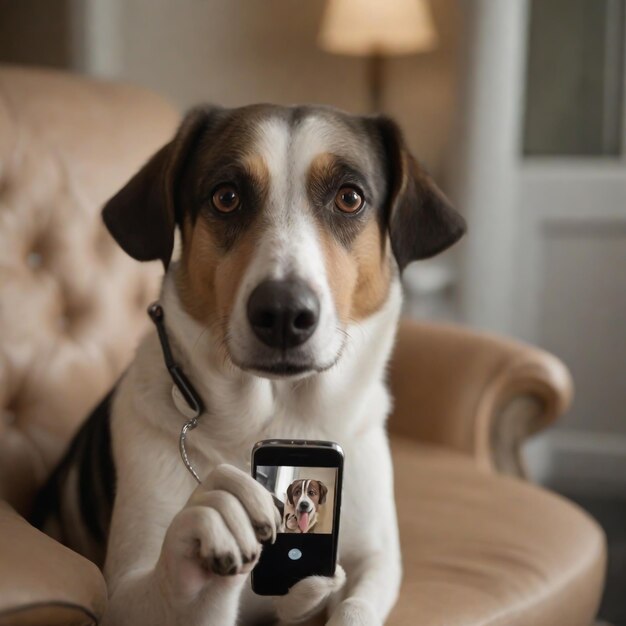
(290, 220)
(306, 496)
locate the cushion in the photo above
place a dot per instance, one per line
(43, 582)
(481, 549)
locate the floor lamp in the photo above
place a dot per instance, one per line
(376, 29)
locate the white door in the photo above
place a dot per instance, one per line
(542, 180)
(570, 265)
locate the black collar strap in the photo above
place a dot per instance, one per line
(194, 407)
(185, 397)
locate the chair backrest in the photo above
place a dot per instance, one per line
(72, 304)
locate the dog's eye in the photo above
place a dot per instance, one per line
(349, 200)
(226, 199)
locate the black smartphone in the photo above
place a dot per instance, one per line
(305, 478)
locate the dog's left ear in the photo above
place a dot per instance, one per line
(420, 218)
(323, 492)
(290, 494)
(143, 214)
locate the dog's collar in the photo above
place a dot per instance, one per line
(185, 397)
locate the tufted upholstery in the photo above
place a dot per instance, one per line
(71, 302)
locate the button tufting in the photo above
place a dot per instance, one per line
(34, 260)
(63, 323)
(75, 311)
(9, 417)
(5, 186)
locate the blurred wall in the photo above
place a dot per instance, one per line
(235, 52)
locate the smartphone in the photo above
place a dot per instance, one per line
(305, 479)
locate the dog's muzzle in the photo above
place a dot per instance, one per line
(283, 313)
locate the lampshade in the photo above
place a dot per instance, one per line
(383, 27)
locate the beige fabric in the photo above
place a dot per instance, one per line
(72, 304)
(455, 387)
(484, 550)
(50, 615)
(42, 580)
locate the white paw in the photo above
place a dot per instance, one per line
(354, 612)
(219, 531)
(255, 499)
(308, 596)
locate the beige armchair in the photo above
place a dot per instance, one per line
(479, 548)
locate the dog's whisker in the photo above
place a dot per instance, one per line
(358, 325)
(344, 332)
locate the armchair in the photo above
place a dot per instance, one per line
(478, 394)
(479, 548)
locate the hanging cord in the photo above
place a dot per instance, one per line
(193, 406)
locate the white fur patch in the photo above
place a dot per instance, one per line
(289, 245)
(307, 596)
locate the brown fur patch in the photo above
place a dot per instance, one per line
(374, 263)
(208, 279)
(257, 170)
(359, 278)
(320, 167)
(342, 273)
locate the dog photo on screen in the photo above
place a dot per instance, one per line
(304, 496)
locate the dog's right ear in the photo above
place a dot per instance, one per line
(420, 219)
(142, 216)
(323, 491)
(290, 494)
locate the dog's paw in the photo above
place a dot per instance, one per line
(219, 531)
(258, 504)
(308, 597)
(354, 612)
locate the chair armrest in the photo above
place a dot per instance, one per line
(476, 393)
(43, 582)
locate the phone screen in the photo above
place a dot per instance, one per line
(305, 496)
(305, 482)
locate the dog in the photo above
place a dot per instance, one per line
(295, 224)
(304, 497)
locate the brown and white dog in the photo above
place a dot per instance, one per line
(295, 224)
(304, 497)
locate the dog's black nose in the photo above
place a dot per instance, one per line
(303, 506)
(283, 313)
